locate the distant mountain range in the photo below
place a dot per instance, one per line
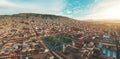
(27, 15)
(53, 17)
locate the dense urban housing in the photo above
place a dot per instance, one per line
(40, 36)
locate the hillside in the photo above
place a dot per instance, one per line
(33, 15)
(29, 20)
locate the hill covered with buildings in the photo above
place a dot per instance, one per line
(35, 36)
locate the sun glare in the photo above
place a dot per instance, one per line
(112, 12)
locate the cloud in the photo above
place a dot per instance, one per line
(107, 9)
(78, 9)
(7, 7)
(32, 6)
(6, 3)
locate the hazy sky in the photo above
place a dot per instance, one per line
(79, 9)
